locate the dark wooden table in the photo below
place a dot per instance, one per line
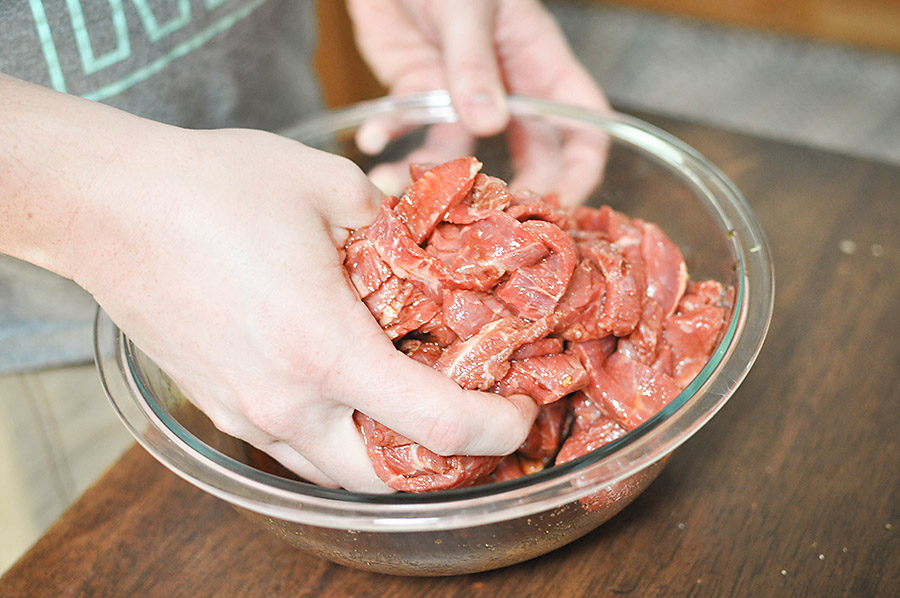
(792, 489)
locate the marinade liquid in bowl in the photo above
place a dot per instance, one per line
(649, 175)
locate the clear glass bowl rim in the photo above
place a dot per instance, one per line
(304, 503)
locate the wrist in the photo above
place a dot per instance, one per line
(67, 167)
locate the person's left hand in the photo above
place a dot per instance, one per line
(481, 50)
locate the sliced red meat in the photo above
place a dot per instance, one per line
(534, 290)
(602, 430)
(417, 169)
(466, 312)
(536, 207)
(593, 353)
(401, 306)
(585, 412)
(409, 467)
(499, 243)
(706, 292)
(691, 333)
(579, 311)
(388, 301)
(510, 468)
(482, 359)
(543, 346)
(547, 432)
(471, 280)
(664, 268)
(641, 344)
(433, 193)
(366, 268)
(407, 260)
(614, 225)
(488, 194)
(422, 351)
(623, 305)
(545, 378)
(445, 242)
(628, 391)
(418, 309)
(437, 332)
(483, 251)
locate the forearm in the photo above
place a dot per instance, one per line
(63, 161)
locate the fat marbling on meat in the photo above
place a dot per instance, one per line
(587, 311)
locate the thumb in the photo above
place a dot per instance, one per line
(341, 192)
(421, 403)
(471, 68)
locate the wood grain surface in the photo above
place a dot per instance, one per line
(792, 489)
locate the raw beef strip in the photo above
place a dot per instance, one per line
(436, 331)
(593, 353)
(690, 334)
(431, 194)
(548, 431)
(545, 378)
(388, 300)
(545, 346)
(422, 351)
(602, 431)
(417, 169)
(510, 468)
(628, 391)
(482, 359)
(623, 306)
(536, 207)
(664, 267)
(418, 310)
(579, 313)
(366, 268)
(495, 244)
(488, 195)
(401, 306)
(406, 259)
(534, 290)
(409, 467)
(466, 312)
(617, 227)
(641, 344)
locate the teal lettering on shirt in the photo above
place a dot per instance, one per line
(156, 31)
(89, 61)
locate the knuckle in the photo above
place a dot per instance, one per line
(516, 426)
(229, 424)
(447, 435)
(472, 71)
(264, 414)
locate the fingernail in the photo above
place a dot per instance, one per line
(387, 182)
(484, 113)
(371, 139)
(526, 405)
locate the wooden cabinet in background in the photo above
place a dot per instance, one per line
(343, 74)
(866, 23)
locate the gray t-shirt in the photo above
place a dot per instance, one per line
(191, 63)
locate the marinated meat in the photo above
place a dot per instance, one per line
(545, 378)
(588, 312)
(433, 193)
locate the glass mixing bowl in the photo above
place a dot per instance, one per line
(649, 174)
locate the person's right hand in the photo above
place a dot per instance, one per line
(217, 253)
